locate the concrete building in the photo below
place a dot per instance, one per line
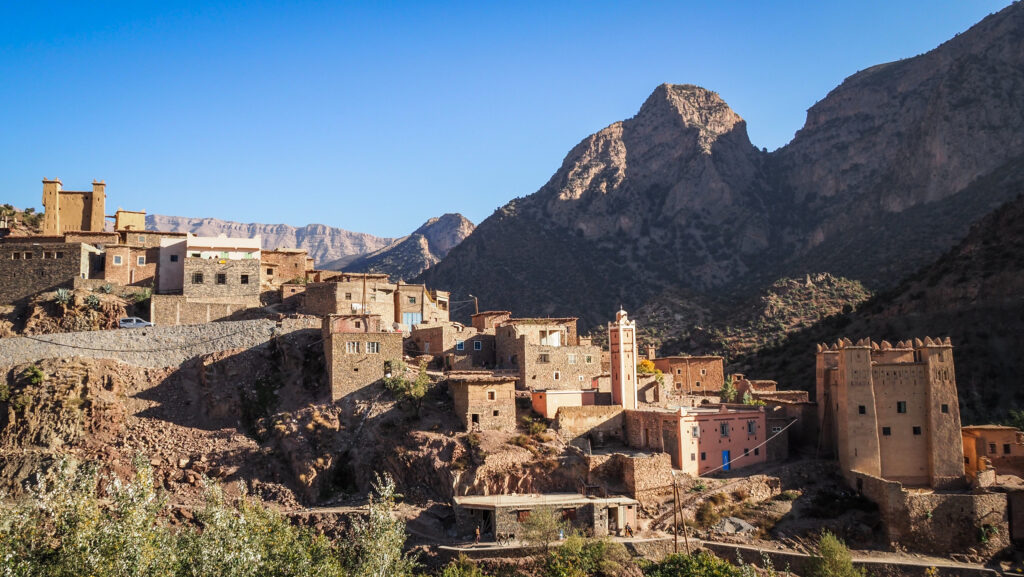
(891, 412)
(701, 439)
(70, 210)
(504, 514)
(547, 353)
(350, 293)
(359, 350)
(484, 401)
(701, 375)
(547, 403)
(623, 348)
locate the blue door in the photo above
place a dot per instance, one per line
(410, 319)
(725, 460)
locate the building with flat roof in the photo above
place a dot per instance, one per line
(484, 401)
(504, 514)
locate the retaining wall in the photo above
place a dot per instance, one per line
(159, 346)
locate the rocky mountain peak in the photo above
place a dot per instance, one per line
(443, 232)
(690, 107)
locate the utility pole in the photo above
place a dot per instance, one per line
(476, 305)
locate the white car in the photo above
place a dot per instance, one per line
(133, 322)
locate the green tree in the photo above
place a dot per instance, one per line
(728, 392)
(462, 567)
(700, 564)
(411, 391)
(834, 559)
(542, 527)
(375, 543)
(581, 557)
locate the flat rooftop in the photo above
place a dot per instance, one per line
(534, 500)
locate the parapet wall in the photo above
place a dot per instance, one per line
(600, 422)
(167, 346)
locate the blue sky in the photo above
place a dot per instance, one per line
(376, 116)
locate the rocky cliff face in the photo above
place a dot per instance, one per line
(409, 256)
(325, 244)
(676, 198)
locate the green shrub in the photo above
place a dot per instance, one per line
(93, 302)
(581, 557)
(106, 288)
(34, 375)
(787, 496)
(462, 567)
(701, 564)
(707, 515)
(62, 296)
(834, 559)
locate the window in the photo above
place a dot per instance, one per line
(359, 324)
(703, 372)
(967, 460)
(917, 430)
(746, 452)
(197, 278)
(15, 256)
(695, 432)
(352, 347)
(886, 431)
(28, 256)
(270, 272)
(557, 375)
(862, 409)
(460, 345)
(141, 261)
(492, 395)
(992, 448)
(373, 348)
(142, 238)
(543, 358)
(222, 278)
(776, 429)
(522, 516)
(679, 371)
(495, 413)
(703, 456)
(572, 359)
(117, 259)
(945, 408)
(693, 456)
(245, 279)
(581, 378)
(174, 258)
(1006, 449)
(412, 300)
(551, 338)
(478, 345)
(60, 255)
(901, 406)
(588, 359)
(196, 255)
(751, 427)
(348, 296)
(724, 428)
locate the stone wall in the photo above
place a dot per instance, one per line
(146, 347)
(221, 279)
(598, 423)
(647, 477)
(169, 310)
(352, 371)
(280, 267)
(485, 405)
(28, 268)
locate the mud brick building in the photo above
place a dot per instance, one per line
(993, 446)
(504, 514)
(70, 210)
(701, 439)
(891, 412)
(703, 375)
(454, 346)
(359, 350)
(28, 267)
(350, 293)
(284, 265)
(547, 353)
(484, 401)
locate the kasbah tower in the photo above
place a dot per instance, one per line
(622, 344)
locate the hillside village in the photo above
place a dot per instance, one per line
(323, 377)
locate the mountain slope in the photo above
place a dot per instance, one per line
(676, 198)
(323, 243)
(974, 294)
(409, 256)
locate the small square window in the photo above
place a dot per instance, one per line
(373, 348)
(492, 395)
(724, 428)
(703, 456)
(901, 406)
(270, 272)
(348, 296)
(142, 238)
(703, 372)
(558, 375)
(15, 256)
(222, 278)
(588, 359)
(174, 258)
(572, 358)
(28, 256)
(862, 410)
(197, 278)
(543, 358)
(412, 300)
(478, 345)
(696, 384)
(60, 255)
(117, 259)
(245, 279)
(693, 456)
(945, 408)
(992, 448)
(581, 378)
(886, 431)
(496, 413)
(140, 261)
(917, 430)
(757, 451)
(1006, 449)
(460, 345)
